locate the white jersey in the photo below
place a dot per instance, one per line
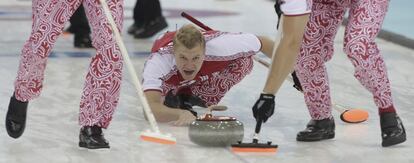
(296, 7)
(227, 54)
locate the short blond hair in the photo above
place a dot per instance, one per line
(189, 37)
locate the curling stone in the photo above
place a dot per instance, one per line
(216, 131)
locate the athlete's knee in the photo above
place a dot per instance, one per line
(360, 45)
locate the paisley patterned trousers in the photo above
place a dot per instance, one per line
(102, 85)
(365, 21)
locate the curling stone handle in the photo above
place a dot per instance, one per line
(208, 115)
(210, 111)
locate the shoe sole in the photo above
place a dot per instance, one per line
(395, 141)
(84, 145)
(329, 136)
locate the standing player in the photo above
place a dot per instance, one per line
(365, 20)
(102, 85)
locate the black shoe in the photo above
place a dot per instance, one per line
(392, 129)
(83, 41)
(152, 27)
(91, 137)
(136, 28)
(16, 117)
(318, 130)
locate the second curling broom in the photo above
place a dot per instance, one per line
(348, 115)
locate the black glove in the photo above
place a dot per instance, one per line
(183, 101)
(296, 82)
(264, 107)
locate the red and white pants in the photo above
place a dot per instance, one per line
(103, 80)
(365, 20)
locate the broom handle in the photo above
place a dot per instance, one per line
(195, 21)
(130, 68)
(258, 126)
(336, 106)
(257, 130)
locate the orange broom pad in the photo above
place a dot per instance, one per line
(259, 150)
(354, 116)
(157, 140)
(66, 35)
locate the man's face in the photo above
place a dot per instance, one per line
(189, 61)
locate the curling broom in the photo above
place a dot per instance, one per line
(155, 135)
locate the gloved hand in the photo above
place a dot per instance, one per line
(183, 101)
(264, 107)
(173, 100)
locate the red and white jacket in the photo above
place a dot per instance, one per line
(228, 60)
